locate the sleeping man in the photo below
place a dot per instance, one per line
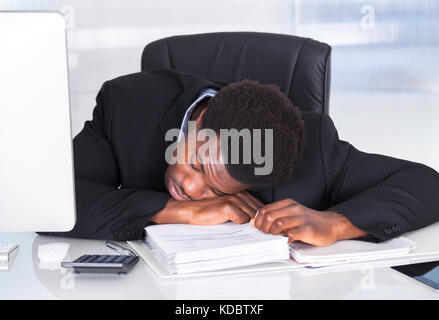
(171, 147)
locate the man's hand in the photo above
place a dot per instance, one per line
(239, 208)
(297, 222)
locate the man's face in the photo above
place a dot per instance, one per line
(199, 177)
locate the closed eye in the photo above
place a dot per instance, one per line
(201, 170)
(193, 166)
(219, 193)
(196, 169)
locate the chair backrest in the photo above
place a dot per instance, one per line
(299, 66)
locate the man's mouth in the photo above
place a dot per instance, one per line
(175, 191)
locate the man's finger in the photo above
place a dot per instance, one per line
(296, 234)
(285, 223)
(285, 206)
(244, 206)
(277, 221)
(280, 204)
(236, 215)
(258, 203)
(305, 234)
(268, 218)
(249, 201)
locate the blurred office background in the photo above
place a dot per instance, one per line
(385, 73)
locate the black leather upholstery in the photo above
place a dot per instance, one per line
(299, 66)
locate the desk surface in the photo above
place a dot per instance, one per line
(31, 278)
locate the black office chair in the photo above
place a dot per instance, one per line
(299, 66)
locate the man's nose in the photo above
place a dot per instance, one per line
(194, 187)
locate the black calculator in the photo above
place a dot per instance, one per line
(99, 263)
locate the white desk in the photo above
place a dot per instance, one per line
(29, 279)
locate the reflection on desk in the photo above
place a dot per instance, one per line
(236, 286)
(49, 252)
(31, 278)
(64, 284)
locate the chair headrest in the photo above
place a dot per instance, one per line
(299, 66)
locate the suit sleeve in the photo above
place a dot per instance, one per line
(381, 195)
(104, 209)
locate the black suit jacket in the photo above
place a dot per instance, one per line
(120, 166)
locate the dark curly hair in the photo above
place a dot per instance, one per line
(249, 104)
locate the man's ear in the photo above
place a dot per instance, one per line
(199, 118)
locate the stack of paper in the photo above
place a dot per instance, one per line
(188, 249)
(347, 251)
(183, 249)
(416, 246)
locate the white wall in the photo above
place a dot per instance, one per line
(385, 77)
(385, 73)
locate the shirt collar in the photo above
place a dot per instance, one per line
(190, 91)
(208, 92)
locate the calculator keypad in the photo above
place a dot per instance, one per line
(101, 263)
(125, 259)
